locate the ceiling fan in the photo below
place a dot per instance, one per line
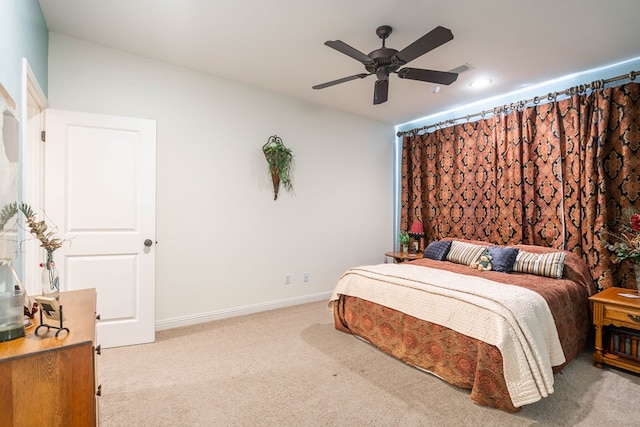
(385, 61)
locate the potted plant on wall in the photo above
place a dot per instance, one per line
(279, 159)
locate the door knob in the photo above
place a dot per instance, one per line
(148, 242)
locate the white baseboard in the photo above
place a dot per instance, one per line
(177, 322)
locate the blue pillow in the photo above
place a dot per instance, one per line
(437, 250)
(503, 258)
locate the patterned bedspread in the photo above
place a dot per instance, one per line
(458, 358)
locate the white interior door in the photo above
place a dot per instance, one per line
(99, 190)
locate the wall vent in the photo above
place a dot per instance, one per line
(461, 69)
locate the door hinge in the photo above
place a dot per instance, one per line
(43, 137)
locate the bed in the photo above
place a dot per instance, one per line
(501, 334)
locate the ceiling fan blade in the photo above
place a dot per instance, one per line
(342, 47)
(431, 76)
(381, 91)
(436, 37)
(342, 80)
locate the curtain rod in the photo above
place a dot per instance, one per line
(552, 96)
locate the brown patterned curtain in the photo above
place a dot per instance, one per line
(558, 175)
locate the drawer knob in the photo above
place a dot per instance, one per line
(98, 317)
(99, 391)
(99, 349)
(634, 318)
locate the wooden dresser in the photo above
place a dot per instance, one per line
(617, 322)
(51, 381)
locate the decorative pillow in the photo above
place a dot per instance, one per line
(437, 250)
(503, 258)
(548, 265)
(464, 253)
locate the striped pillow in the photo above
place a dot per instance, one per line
(464, 253)
(547, 265)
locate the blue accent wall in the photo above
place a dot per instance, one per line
(23, 34)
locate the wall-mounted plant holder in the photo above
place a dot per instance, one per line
(279, 158)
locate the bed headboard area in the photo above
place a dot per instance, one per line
(572, 266)
(559, 175)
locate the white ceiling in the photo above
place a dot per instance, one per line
(278, 45)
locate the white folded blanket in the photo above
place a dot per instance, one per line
(516, 320)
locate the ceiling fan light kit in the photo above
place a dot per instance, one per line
(384, 61)
(480, 83)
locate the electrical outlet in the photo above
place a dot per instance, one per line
(305, 276)
(287, 279)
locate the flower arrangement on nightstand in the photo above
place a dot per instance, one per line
(626, 245)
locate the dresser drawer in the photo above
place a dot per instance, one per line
(620, 314)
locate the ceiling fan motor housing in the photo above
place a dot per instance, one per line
(383, 60)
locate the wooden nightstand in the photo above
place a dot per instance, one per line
(404, 256)
(610, 309)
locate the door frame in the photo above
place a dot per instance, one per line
(34, 103)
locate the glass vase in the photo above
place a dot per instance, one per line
(50, 277)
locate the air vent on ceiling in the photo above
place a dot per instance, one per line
(461, 69)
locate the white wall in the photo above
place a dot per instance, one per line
(224, 244)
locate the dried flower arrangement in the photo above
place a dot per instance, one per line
(627, 239)
(38, 229)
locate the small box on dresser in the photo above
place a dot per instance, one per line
(616, 318)
(51, 381)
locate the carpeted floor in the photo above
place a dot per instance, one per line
(290, 367)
